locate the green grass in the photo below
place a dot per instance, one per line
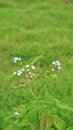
(28, 29)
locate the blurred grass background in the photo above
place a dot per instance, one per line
(29, 28)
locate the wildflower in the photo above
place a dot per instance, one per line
(59, 67)
(14, 73)
(19, 72)
(56, 100)
(19, 59)
(30, 73)
(53, 62)
(27, 66)
(22, 69)
(57, 63)
(28, 70)
(16, 113)
(53, 69)
(33, 74)
(33, 67)
(16, 59)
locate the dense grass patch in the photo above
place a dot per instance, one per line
(29, 29)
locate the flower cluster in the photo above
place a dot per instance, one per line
(16, 59)
(27, 69)
(56, 64)
(30, 71)
(18, 73)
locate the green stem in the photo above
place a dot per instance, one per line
(36, 59)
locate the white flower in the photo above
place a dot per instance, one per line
(30, 73)
(59, 67)
(53, 69)
(33, 74)
(22, 69)
(19, 59)
(16, 59)
(53, 62)
(33, 67)
(16, 113)
(19, 72)
(27, 66)
(14, 73)
(57, 63)
(28, 70)
(56, 100)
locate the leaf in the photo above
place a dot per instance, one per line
(59, 123)
(46, 120)
(69, 128)
(36, 59)
(63, 106)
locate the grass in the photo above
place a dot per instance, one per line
(29, 29)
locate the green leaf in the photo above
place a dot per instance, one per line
(64, 106)
(46, 120)
(69, 128)
(59, 123)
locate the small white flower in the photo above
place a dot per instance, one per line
(59, 67)
(56, 100)
(16, 58)
(16, 113)
(27, 66)
(14, 61)
(14, 73)
(30, 73)
(53, 62)
(53, 69)
(19, 59)
(28, 70)
(22, 69)
(57, 63)
(19, 71)
(33, 74)
(33, 67)
(18, 74)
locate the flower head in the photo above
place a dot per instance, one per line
(16, 113)
(33, 67)
(56, 64)
(14, 73)
(19, 72)
(16, 59)
(27, 66)
(53, 69)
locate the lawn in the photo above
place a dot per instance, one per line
(40, 33)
